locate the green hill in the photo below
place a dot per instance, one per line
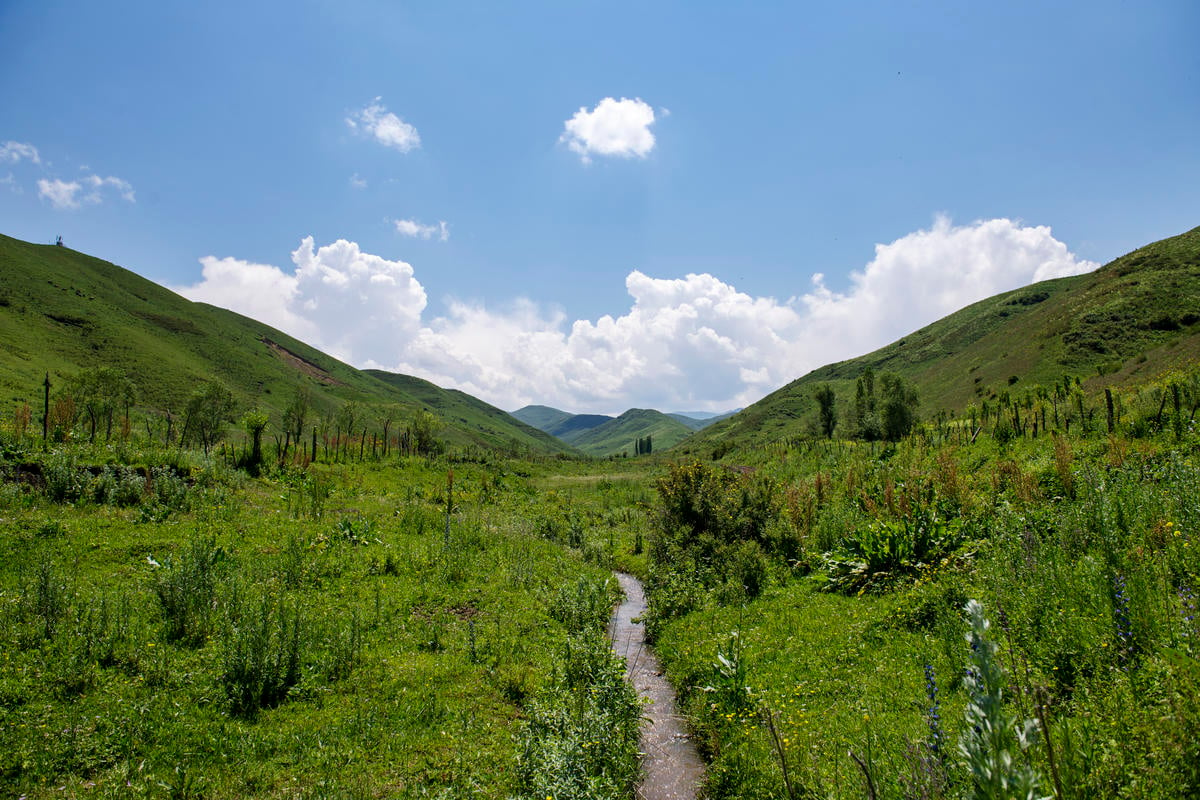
(578, 426)
(559, 424)
(1124, 324)
(698, 422)
(61, 311)
(544, 418)
(618, 435)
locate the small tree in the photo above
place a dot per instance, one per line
(208, 410)
(866, 423)
(255, 422)
(422, 430)
(99, 392)
(826, 412)
(296, 414)
(347, 418)
(899, 406)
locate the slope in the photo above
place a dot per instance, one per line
(61, 311)
(541, 417)
(618, 435)
(1123, 324)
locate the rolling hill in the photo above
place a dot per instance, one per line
(1123, 324)
(61, 311)
(560, 424)
(618, 435)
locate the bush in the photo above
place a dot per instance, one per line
(118, 486)
(879, 553)
(262, 656)
(65, 481)
(187, 592)
(580, 740)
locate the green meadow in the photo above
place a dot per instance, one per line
(964, 566)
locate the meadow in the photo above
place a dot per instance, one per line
(171, 627)
(966, 612)
(984, 608)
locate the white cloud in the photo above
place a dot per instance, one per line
(12, 152)
(352, 304)
(61, 194)
(358, 182)
(414, 229)
(89, 190)
(694, 342)
(385, 127)
(612, 128)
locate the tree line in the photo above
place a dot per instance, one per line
(96, 403)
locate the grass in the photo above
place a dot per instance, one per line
(1081, 553)
(1121, 326)
(62, 311)
(249, 643)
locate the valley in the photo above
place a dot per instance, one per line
(349, 583)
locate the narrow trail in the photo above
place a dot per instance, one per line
(671, 767)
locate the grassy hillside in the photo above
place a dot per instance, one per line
(61, 311)
(541, 417)
(1125, 323)
(618, 435)
(560, 424)
(696, 422)
(463, 412)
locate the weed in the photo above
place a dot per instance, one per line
(262, 656)
(187, 591)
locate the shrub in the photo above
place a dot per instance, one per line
(187, 591)
(118, 486)
(881, 552)
(580, 738)
(261, 662)
(65, 481)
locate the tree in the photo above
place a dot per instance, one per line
(99, 392)
(899, 406)
(826, 412)
(347, 417)
(296, 414)
(422, 431)
(866, 423)
(208, 410)
(255, 422)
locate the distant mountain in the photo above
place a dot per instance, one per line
(62, 311)
(618, 435)
(1123, 324)
(541, 417)
(698, 420)
(559, 424)
(572, 429)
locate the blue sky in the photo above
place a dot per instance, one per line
(598, 206)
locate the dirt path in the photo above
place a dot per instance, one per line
(671, 767)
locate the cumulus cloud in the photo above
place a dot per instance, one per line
(12, 152)
(88, 190)
(613, 128)
(358, 182)
(384, 127)
(694, 342)
(354, 305)
(415, 230)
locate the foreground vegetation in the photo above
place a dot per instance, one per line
(967, 612)
(173, 628)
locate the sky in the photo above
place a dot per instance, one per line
(598, 206)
